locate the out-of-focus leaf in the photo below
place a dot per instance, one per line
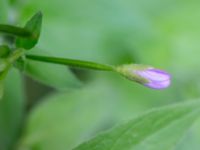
(3, 11)
(11, 110)
(1, 89)
(34, 26)
(4, 68)
(54, 75)
(70, 123)
(57, 76)
(156, 32)
(192, 138)
(84, 34)
(64, 120)
(158, 129)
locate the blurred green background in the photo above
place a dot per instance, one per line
(162, 33)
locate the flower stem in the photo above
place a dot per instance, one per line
(72, 62)
(16, 31)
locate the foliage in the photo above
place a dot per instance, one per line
(81, 108)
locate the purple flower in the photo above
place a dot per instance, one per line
(145, 75)
(156, 79)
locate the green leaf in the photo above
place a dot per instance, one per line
(1, 89)
(155, 130)
(54, 75)
(11, 110)
(3, 10)
(62, 120)
(34, 26)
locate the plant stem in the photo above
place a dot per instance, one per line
(16, 31)
(72, 62)
(15, 55)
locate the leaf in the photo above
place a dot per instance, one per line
(54, 75)
(1, 89)
(62, 120)
(3, 11)
(155, 130)
(11, 110)
(34, 26)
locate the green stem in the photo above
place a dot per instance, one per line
(6, 63)
(16, 31)
(72, 62)
(15, 55)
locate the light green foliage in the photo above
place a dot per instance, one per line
(164, 34)
(159, 128)
(64, 120)
(154, 32)
(57, 76)
(155, 130)
(3, 11)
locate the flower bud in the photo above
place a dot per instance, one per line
(145, 75)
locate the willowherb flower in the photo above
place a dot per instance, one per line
(146, 75)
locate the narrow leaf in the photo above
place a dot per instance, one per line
(155, 130)
(11, 110)
(34, 26)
